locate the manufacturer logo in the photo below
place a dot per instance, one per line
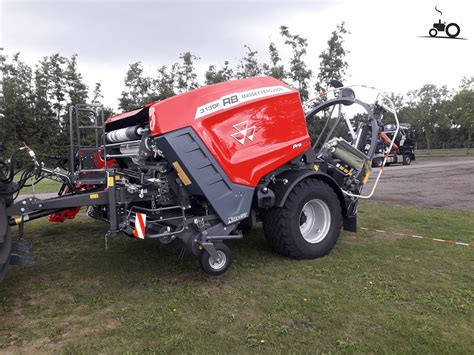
(243, 132)
(231, 100)
(238, 217)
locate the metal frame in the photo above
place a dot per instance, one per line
(149, 212)
(75, 146)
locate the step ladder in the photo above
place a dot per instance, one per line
(87, 144)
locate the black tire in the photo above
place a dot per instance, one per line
(206, 262)
(281, 226)
(433, 32)
(406, 159)
(453, 35)
(5, 253)
(245, 226)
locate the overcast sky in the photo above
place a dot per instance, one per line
(385, 50)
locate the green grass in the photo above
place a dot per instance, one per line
(444, 153)
(43, 186)
(373, 293)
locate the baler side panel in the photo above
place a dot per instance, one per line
(252, 140)
(249, 139)
(231, 201)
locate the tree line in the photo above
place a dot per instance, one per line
(35, 102)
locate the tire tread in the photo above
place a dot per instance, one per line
(276, 221)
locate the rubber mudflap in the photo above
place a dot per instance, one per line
(5, 242)
(6, 247)
(3, 269)
(3, 221)
(5, 253)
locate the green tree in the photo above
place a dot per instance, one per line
(77, 93)
(463, 110)
(17, 120)
(298, 71)
(97, 95)
(47, 124)
(137, 88)
(333, 64)
(76, 89)
(427, 110)
(97, 99)
(398, 100)
(249, 66)
(165, 82)
(275, 68)
(55, 74)
(186, 74)
(213, 76)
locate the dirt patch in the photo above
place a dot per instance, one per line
(428, 182)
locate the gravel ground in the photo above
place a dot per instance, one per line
(446, 182)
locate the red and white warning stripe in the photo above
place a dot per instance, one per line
(418, 237)
(140, 223)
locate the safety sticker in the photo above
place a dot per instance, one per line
(234, 99)
(140, 223)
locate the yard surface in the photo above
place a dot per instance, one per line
(446, 182)
(373, 293)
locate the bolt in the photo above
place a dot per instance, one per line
(22, 209)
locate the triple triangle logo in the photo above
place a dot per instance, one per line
(243, 132)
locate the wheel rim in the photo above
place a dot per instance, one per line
(315, 221)
(218, 265)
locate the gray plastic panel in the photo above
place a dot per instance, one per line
(231, 201)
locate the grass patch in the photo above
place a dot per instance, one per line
(371, 294)
(444, 153)
(44, 186)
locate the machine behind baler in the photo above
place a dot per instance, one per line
(201, 168)
(402, 149)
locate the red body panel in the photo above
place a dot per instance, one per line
(251, 126)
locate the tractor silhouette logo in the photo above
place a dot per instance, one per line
(452, 29)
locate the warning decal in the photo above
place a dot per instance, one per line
(140, 225)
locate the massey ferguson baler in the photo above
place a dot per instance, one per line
(200, 168)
